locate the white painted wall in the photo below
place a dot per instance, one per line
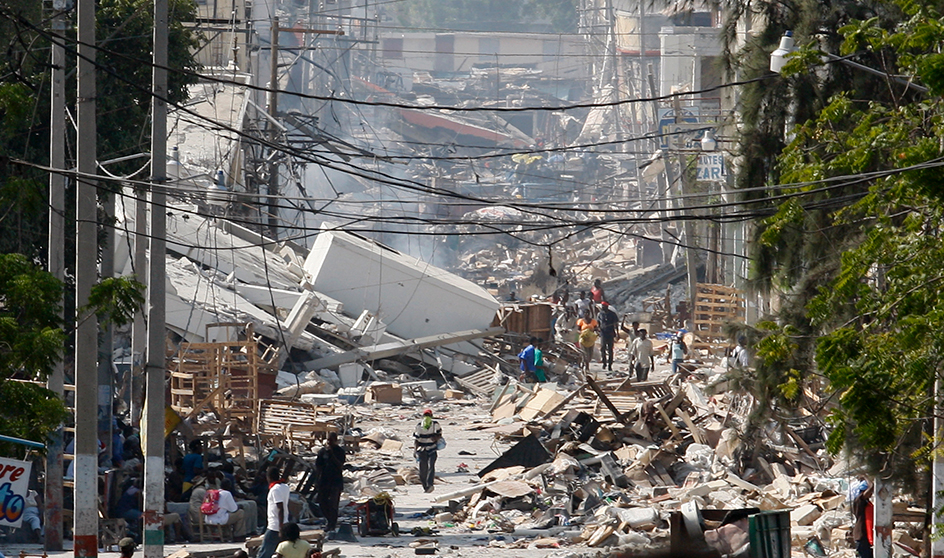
(682, 50)
(413, 298)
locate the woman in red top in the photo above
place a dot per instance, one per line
(597, 292)
(863, 511)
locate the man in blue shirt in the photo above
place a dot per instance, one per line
(193, 463)
(526, 361)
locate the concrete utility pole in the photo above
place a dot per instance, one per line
(52, 511)
(106, 356)
(882, 547)
(273, 189)
(937, 476)
(156, 358)
(139, 327)
(85, 515)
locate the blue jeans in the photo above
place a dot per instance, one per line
(675, 363)
(269, 542)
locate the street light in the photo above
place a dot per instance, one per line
(778, 59)
(708, 141)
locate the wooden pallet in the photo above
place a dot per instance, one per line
(482, 382)
(294, 424)
(532, 320)
(716, 306)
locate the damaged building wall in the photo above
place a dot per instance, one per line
(408, 295)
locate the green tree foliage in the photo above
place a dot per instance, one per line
(491, 15)
(31, 335)
(32, 340)
(858, 253)
(124, 77)
(125, 29)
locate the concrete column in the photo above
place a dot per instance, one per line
(937, 476)
(157, 293)
(85, 515)
(882, 541)
(52, 510)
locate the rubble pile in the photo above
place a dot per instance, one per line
(613, 463)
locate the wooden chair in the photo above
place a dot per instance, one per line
(209, 531)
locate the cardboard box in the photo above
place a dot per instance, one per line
(384, 393)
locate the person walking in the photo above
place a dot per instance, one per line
(425, 443)
(863, 511)
(583, 305)
(526, 361)
(276, 512)
(330, 465)
(641, 353)
(539, 372)
(596, 292)
(609, 322)
(587, 340)
(679, 350)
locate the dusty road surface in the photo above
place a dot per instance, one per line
(468, 450)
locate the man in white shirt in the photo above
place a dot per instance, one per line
(229, 513)
(583, 305)
(276, 512)
(641, 351)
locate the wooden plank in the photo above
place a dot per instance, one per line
(603, 398)
(668, 420)
(692, 427)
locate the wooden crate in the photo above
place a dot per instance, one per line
(532, 320)
(222, 376)
(294, 424)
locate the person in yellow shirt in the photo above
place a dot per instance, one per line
(587, 339)
(292, 545)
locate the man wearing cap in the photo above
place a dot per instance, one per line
(425, 440)
(609, 322)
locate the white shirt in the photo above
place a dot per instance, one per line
(642, 350)
(583, 306)
(278, 493)
(227, 506)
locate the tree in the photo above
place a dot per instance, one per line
(123, 87)
(857, 251)
(32, 340)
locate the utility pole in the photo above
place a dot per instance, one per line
(85, 515)
(937, 472)
(52, 511)
(156, 359)
(139, 327)
(273, 130)
(106, 370)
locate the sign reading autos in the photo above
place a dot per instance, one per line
(14, 487)
(711, 167)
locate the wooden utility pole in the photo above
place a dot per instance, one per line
(155, 368)
(52, 509)
(85, 515)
